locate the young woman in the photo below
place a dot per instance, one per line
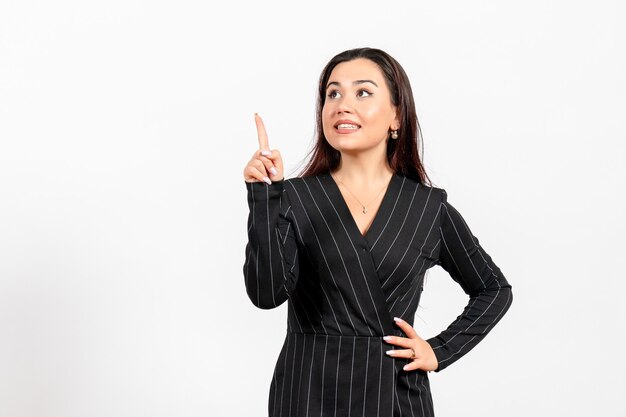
(348, 243)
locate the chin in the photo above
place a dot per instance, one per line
(344, 144)
(355, 144)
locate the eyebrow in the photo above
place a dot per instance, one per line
(357, 82)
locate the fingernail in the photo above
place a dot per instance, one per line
(405, 367)
(266, 153)
(390, 352)
(397, 319)
(267, 180)
(273, 171)
(387, 338)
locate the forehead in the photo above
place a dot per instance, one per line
(357, 69)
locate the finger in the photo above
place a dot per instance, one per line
(262, 134)
(273, 155)
(260, 166)
(413, 366)
(399, 341)
(273, 163)
(257, 172)
(401, 353)
(277, 159)
(406, 328)
(270, 166)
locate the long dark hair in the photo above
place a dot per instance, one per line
(403, 153)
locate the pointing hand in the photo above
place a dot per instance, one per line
(266, 164)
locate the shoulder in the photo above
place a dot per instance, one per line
(307, 191)
(436, 193)
(301, 183)
(292, 183)
(295, 187)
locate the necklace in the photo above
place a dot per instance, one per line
(364, 207)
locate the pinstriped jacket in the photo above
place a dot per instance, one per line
(344, 288)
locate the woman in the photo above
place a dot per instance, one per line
(348, 243)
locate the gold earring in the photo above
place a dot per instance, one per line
(394, 134)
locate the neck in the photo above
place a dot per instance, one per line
(362, 171)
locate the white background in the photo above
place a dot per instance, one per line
(124, 130)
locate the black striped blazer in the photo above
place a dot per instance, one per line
(344, 289)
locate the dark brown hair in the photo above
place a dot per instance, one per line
(402, 154)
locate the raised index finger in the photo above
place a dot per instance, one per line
(260, 128)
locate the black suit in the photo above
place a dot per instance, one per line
(345, 288)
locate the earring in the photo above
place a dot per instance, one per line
(394, 134)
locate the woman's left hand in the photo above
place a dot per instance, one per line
(416, 348)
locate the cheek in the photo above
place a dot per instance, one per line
(326, 119)
(324, 115)
(372, 112)
(377, 115)
(327, 109)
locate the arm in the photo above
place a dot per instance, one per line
(271, 265)
(472, 268)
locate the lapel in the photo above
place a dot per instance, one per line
(369, 240)
(380, 218)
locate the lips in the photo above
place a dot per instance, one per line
(347, 126)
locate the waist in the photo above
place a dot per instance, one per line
(329, 335)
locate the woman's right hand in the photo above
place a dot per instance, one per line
(266, 164)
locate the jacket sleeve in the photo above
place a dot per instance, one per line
(271, 262)
(490, 294)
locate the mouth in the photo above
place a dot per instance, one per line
(346, 126)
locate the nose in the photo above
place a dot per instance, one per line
(344, 109)
(344, 105)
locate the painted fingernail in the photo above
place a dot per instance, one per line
(397, 319)
(266, 153)
(405, 367)
(387, 338)
(273, 171)
(267, 180)
(390, 352)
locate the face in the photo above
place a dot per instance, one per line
(358, 112)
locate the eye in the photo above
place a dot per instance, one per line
(333, 94)
(363, 93)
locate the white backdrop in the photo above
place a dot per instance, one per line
(124, 130)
